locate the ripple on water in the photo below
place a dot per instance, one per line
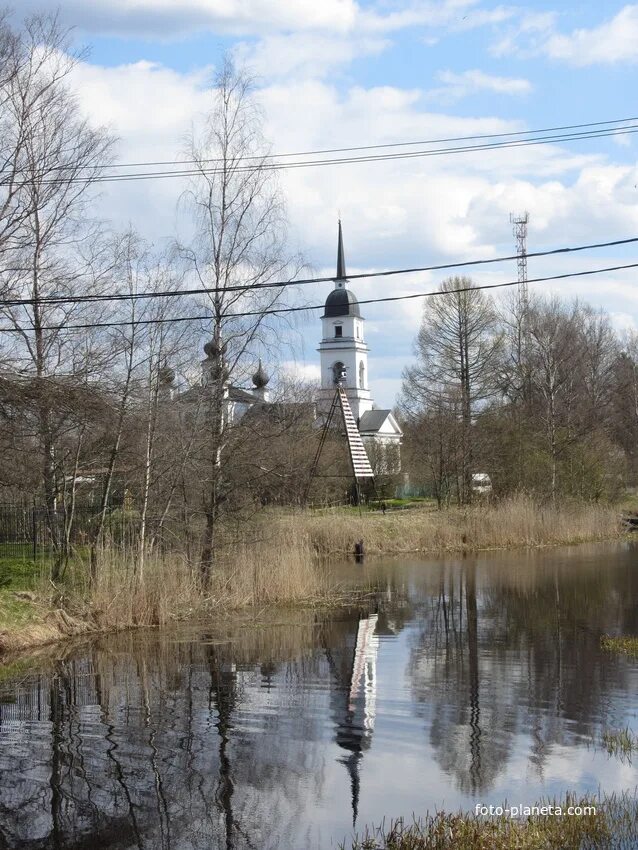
(465, 684)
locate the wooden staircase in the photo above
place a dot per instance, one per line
(358, 455)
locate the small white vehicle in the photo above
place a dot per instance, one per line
(481, 483)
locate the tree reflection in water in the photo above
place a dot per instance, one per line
(259, 736)
(519, 655)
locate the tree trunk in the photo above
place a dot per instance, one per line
(153, 390)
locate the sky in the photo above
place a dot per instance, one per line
(341, 73)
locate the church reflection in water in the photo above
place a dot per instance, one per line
(287, 736)
(353, 698)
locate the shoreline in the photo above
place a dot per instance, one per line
(42, 624)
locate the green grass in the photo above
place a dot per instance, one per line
(15, 613)
(374, 506)
(622, 743)
(629, 503)
(625, 644)
(19, 574)
(613, 825)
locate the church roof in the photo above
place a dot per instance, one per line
(242, 396)
(341, 302)
(373, 420)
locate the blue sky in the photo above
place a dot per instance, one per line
(346, 73)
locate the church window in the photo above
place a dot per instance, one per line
(339, 372)
(362, 375)
(338, 330)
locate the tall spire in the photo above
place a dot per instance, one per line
(341, 261)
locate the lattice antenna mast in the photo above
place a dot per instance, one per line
(519, 229)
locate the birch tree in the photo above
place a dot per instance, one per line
(239, 247)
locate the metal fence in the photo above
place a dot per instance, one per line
(32, 532)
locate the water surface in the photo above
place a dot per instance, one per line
(466, 680)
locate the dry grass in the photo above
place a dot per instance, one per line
(282, 565)
(614, 825)
(263, 573)
(622, 743)
(515, 522)
(625, 644)
(266, 573)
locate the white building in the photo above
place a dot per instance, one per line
(343, 348)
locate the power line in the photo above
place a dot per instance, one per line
(316, 152)
(134, 296)
(280, 166)
(282, 310)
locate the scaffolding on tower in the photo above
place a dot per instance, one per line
(359, 461)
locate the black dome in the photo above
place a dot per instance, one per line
(260, 378)
(341, 302)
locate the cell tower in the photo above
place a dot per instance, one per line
(520, 234)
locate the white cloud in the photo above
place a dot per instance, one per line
(150, 109)
(299, 371)
(612, 42)
(527, 35)
(305, 54)
(168, 19)
(623, 322)
(403, 213)
(456, 86)
(454, 15)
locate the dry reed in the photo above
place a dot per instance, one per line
(515, 522)
(262, 573)
(283, 564)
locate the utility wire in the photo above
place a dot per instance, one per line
(171, 293)
(282, 310)
(281, 166)
(436, 141)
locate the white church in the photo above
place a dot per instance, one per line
(343, 357)
(343, 348)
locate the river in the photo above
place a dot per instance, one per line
(461, 681)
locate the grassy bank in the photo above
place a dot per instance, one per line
(265, 573)
(281, 562)
(614, 824)
(516, 522)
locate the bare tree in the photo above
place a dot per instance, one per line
(239, 248)
(50, 246)
(458, 349)
(556, 351)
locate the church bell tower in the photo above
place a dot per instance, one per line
(343, 352)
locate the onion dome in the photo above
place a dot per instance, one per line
(341, 302)
(213, 349)
(166, 375)
(260, 378)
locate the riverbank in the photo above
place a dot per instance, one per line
(604, 823)
(280, 561)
